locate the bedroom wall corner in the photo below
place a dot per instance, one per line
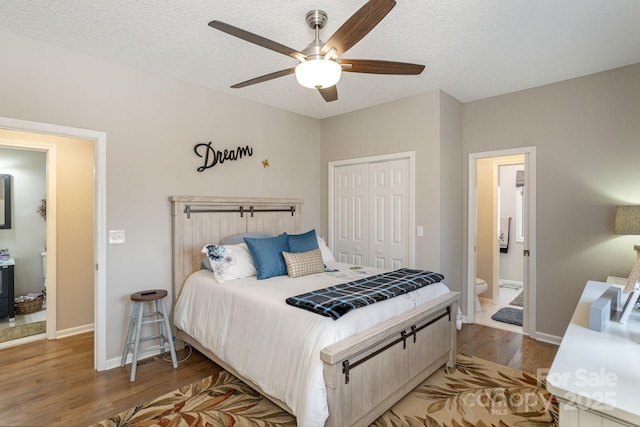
(409, 124)
(586, 135)
(452, 258)
(153, 124)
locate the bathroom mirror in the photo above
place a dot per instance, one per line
(5, 201)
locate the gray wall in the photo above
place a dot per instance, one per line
(430, 125)
(586, 132)
(152, 125)
(587, 136)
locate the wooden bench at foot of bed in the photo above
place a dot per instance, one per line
(369, 372)
(383, 365)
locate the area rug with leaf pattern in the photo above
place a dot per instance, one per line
(476, 393)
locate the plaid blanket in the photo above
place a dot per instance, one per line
(336, 301)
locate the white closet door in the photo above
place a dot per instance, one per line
(351, 225)
(389, 186)
(399, 215)
(379, 214)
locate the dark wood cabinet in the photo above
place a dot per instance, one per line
(7, 308)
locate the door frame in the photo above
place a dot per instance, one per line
(100, 248)
(411, 155)
(529, 217)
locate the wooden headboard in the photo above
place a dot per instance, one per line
(201, 220)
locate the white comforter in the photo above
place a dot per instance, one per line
(248, 324)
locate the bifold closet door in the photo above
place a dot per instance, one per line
(371, 213)
(389, 214)
(351, 225)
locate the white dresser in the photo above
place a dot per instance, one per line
(596, 375)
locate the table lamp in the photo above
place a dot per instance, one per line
(628, 222)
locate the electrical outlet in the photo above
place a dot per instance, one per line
(116, 237)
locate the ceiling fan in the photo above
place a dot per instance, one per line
(321, 64)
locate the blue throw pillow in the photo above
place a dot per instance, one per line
(303, 242)
(267, 255)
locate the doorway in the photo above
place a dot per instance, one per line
(24, 239)
(492, 235)
(99, 141)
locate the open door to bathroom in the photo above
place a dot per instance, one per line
(483, 245)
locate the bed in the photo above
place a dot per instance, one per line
(325, 372)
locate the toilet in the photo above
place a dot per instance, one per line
(481, 286)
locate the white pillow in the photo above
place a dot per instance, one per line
(327, 256)
(230, 262)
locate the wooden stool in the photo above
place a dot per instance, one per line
(137, 320)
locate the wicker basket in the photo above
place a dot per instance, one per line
(28, 307)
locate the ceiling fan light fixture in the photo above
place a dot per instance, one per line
(318, 73)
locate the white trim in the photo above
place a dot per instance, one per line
(529, 326)
(114, 362)
(519, 213)
(23, 340)
(530, 241)
(411, 155)
(548, 338)
(74, 331)
(472, 213)
(372, 159)
(100, 250)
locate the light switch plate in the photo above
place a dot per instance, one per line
(420, 231)
(116, 237)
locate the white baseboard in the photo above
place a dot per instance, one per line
(539, 336)
(115, 361)
(548, 338)
(59, 334)
(20, 341)
(74, 331)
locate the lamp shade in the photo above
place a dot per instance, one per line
(627, 220)
(318, 73)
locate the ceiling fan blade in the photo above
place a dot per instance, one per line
(358, 26)
(329, 93)
(265, 78)
(371, 66)
(256, 39)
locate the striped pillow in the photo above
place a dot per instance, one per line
(303, 263)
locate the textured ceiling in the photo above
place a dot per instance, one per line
(472, 49)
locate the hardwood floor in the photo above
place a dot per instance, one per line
(53, 383)
(506, 348)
